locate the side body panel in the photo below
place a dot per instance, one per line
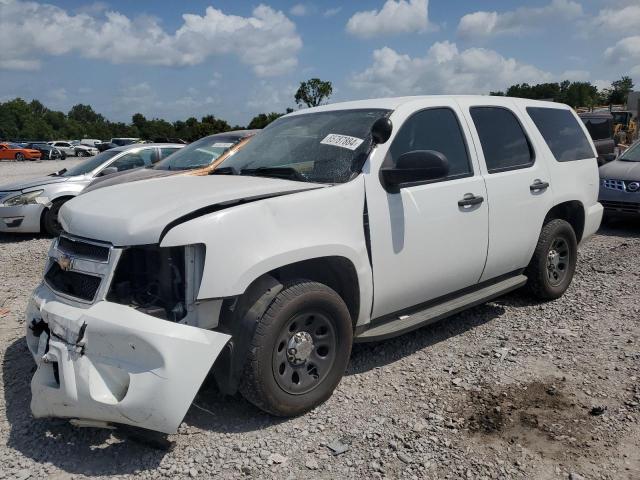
(423, 244)
(516, 213)
(247, 241)
(574, 180)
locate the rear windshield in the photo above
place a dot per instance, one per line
(198, 154)
(599, 128)
(91, 164)
(562, 132)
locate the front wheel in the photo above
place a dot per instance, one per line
(19, 157)
(554, 261)
(80, 153)
(50, 221)
(300, 350)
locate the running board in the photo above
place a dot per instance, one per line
(406, 323)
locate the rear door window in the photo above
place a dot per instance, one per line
(562, 132)
(504, 143)
(166, 151)
(599, 128)
(131, 160)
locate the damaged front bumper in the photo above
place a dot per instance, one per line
(111, 363)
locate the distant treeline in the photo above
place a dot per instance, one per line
(575, 94)
(21, 120)
(33, 121)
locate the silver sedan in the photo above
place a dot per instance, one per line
(33, 205)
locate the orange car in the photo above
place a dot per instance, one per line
(11, 151)
(199, 158)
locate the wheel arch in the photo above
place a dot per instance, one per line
(65, 197)
(571, 211)
(239, 315)
(336, 272)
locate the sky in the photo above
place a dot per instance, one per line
(234, 58)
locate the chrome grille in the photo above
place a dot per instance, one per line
(83, 249)
(631, 186)
(613, 184)
(80, 269)
(74, 284)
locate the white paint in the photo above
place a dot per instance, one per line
(135, 369)
(423, 245)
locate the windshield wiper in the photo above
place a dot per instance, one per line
(224, 171)
(278, 172)
(58, 173)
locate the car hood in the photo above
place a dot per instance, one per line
(137, 213)
(33, 182)
(621, 170)
(128, 176)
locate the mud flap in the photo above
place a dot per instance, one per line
(112, 363)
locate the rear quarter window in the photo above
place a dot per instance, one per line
(562, 132)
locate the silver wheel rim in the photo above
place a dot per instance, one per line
(558, 259)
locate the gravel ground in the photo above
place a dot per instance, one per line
(14, 171)
(510, 389)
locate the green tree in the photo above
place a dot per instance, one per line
(313, 92)
(263, 119)
(619, 91)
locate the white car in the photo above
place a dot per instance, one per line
(350, 222)
(70, 149)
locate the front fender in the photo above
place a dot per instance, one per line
(247, 241)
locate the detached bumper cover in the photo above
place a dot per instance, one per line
(111, 363)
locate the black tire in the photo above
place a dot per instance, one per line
(267, 377)
(554, 261)
(19, 157)
(50, 222)
(80, 153)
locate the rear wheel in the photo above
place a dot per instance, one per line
(50, 220)
(299, 351)
(554, 261)
(19, 156)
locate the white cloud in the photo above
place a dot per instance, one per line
(483, 24)
(444, 70)
(270, 97)
(142, 98)
(395, 17)
(330, 12)
(618, 20)
(215, 79)
(267, 40)
(625, 51)
(299, 10)
(576, 75)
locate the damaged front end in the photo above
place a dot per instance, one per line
(118, 335)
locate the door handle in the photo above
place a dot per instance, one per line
(538, 185)
(470, 199)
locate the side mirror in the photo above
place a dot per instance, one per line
(108, 171)
(381, 130)
(415, 166)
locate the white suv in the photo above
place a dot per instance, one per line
(348, 222)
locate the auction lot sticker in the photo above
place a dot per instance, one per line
(344, 141)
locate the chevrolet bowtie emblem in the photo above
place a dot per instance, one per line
(64, 262)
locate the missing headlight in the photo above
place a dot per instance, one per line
(153, 280)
